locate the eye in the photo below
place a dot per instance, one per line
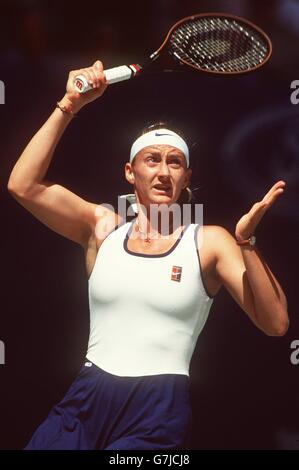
(175, 161)
(152, 158)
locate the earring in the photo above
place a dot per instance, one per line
(190, 194)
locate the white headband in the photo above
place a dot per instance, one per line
(160, 136)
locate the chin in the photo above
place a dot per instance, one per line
(162, 197)
(165, 196)
(162, 200)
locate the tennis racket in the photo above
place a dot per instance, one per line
(215, 43)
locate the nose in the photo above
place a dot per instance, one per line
(163, 171)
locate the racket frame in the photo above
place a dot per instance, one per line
(239, 19)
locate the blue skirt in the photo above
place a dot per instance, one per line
(106, 411)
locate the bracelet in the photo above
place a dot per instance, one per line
(65, 110)
(250, 241)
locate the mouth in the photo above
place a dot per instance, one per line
(162, 188)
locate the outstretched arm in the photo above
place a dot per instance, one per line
(246, 275)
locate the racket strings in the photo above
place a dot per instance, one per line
(218, 44)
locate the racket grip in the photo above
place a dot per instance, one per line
(114, 75)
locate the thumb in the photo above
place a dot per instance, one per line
(97, 64)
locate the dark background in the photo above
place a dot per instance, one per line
(244, 387)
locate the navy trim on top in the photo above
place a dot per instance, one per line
(197, 251)
(144, 255)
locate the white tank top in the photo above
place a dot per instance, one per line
(146, 311)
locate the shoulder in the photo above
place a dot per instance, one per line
(105, 220)
(216, 243)
(219, 254)
(210, 240)
(213, 237)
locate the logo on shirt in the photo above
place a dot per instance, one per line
(176, 273)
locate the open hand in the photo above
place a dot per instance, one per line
(248, 223)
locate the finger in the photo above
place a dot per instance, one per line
(88, 74)
(273, 194)
(83, 72)
(259, 208)
(100, 77)
(99, 65)
(278, 185)
(98, 70)
(93, 78)
(257, 211)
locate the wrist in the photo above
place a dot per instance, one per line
(71, 107)
(250, 241)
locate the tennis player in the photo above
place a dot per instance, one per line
(150, 289)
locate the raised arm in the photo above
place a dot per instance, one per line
(54, 205)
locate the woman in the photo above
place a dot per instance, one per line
(151, 286)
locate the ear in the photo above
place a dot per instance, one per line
(188, 175)
(129, 174)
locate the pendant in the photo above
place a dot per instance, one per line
(146, 239)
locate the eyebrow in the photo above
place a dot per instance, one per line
(158, 152)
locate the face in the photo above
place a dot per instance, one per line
(159, 174)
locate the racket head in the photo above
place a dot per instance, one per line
(218, 43)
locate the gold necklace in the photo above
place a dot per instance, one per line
(147, 238)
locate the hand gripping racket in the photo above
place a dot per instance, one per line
(216, 43)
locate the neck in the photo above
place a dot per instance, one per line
(152, 225)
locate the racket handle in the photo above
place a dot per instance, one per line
(114, 75)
